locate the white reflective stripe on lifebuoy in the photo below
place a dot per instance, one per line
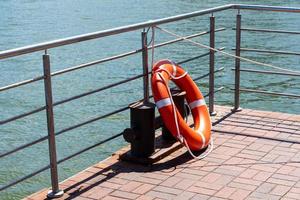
(197, 103)
(162, 103)
(174, 69)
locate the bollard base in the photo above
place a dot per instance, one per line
(53, 195)
(163, 149)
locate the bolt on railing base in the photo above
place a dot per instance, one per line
(53, 195)
(236, 109)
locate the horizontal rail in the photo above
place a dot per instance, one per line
(269, 30)
(269, 93)
(62, 131)
(97, 90)
(196, 57)
(25, 82)
(22, 115)
(109, 32)
(266, 8)
(215, 91)
(270, 51)
(268, 72)
(186, 37)
(24, 178)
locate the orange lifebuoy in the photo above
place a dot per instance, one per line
(197, 138)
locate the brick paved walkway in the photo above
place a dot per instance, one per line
(256, 156)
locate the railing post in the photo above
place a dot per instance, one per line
(145, 66)
(212, 67)
(237, 63)
(55, 192)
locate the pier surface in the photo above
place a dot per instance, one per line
(256, 156)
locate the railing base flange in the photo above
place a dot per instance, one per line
(214, 113)
(239, 109)
(53, 195)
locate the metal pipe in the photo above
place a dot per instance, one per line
(269, 30)
(266, 8)
(271, 93)
(237, 63)
(97, 90)
(50, 126)
(212, 66)
(268, 72)
(22, 115)
(269, 51)
(145, 66)
(109, 32)
(217, 90)
(25, 82)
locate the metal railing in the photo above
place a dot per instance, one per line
(47, 76)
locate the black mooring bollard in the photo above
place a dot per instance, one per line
(178, 98)
(141, 135)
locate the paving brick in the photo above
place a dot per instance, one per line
(258, 195)
(280, 190)
(230, 170)
(170, 182)
(240, 194)
(144, 197)
(247, 181)
(124, 195)
(200, 197)
(262, 176)
(148, 180)
(292, 195)
(112, 198)
(144, 188)
(184, 184)
(242, 186)
(248, 173)
(110, 185)
(160, 195)
(211, 186)
(98, 192)
(185, 196)
(211, 177)
(201, 190)
(130, 186)
(225, 192)
(285, 177)
(265, 188)
(168, 190)
(280, 182)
